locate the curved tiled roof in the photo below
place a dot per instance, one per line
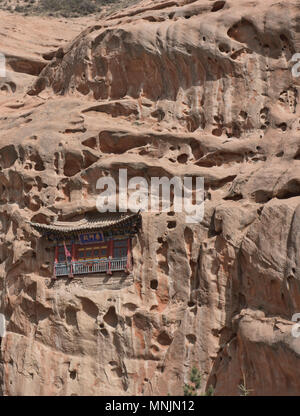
(91, 221)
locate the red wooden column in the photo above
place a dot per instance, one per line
(73, 259)
(55, 262)
(110, 255)
(129, 262)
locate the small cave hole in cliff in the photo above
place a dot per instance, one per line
(289, 190)
(182, 158)
(172, 224)
(104, 332)
(89, 308)
(191, 338)
(297, 155)
(154, 284)
(223, 47)
(39, 165)
(111, 317)
(218, 5)
(73, 374)
(282, 126)
(262, 196)
(164, 338)
(90, 142)
(217, 132)
(72, 165)
(71, 316)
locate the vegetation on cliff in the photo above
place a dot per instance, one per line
(193, 387)
(65, 8)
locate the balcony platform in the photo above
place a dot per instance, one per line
(85, 267)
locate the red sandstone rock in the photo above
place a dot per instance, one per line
(195, 88)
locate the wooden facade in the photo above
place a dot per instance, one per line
(99, 243)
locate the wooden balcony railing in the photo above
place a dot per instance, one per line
(90, 266)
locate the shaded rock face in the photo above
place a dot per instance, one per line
(188, 88)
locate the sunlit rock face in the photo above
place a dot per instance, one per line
(187, 88)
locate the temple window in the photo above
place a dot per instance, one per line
(120, 248)
(91, 252)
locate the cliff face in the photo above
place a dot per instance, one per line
(190, 88)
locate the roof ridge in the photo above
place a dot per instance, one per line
(101, 223)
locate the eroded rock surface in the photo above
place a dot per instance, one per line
(164, 88)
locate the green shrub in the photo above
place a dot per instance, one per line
(192, 388)
(67, 8)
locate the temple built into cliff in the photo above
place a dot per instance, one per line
(98, 243)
